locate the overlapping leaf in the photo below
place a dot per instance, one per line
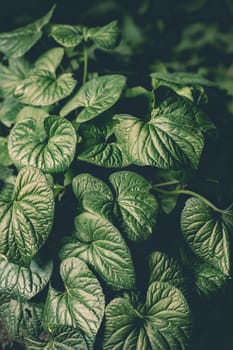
(207, 232)
(96, 96)
(4, 155)
(17, 42)
(21, 282)
(66, 35)
(170, 139)
(162, 323)
(46, 143)
(26, 216)
(50, 60)
(81, 305)
(100, 245)
(106, 37)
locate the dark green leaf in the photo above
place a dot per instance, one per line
(97, 242)
(47, 143)
(4, 155)
(96, 96)
(66, 35)
(26, 216)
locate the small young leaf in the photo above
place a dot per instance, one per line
(20, 282)
(50, 60)
(96, 96)
(97, 242)
(17, 42)
(207, 233)
(170, 139)
(43, 88)
(106, 37)
(48, 143)
(63, 338)
(26, 216)
(20, 317)
(81, 305)
(162, 323)
(66, 35)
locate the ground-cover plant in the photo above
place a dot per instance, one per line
(92, 166)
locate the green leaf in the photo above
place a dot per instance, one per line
(9, 109)
(26, 216)
(170, 139)
(164, 268)
(207, 233)
(4, 155)
(29, 112)
(180, 78)
(50, 60)
(162, 323)
(131, 204)
(20, 317)
(97, 148)
(97, 242)
(48, 144)
(11, 75)
(43, 88)
(82, 303)
(96, 96)
(66, 35)
(106, 37)
(5, 173)
(17, 42)
(20, 282)
(64, 338)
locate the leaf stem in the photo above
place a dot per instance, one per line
(167, 183)
(85, 63)
(190, 193)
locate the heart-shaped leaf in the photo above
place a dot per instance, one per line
(43, 88)
(17, 42)
(46, 143)
(26, 216)
(20, 317)
(207, 232)
(20, 282)
(63, 338)
(162, 323)
(97, 242)
(66, 35)
(81, 305)
(50, 60)
(130, 203)
(106, 37)
(170, 139)
(96, 96)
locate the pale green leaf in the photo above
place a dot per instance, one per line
(66, 35)
(96, 96)
(26, 216)
(17, 42)
(82, 303)
(48, 144)
(50, 60)
(97, 242)
(29, 112)
(20, 282)
(207, 232)
(43, 88)
(4, 155)
(163, 323)
(106, 37)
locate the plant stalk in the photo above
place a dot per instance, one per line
(85, 63)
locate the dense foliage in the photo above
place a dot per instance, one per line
(116, 214)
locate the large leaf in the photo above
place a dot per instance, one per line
(26, 216)
(12, 75)
(98, 148)
(164, 268)
(82, 303)
(100, 245)
(106, 37)
(63, 338)
(207, 232)
(132, 205)
(17, 42)
(43, 88)
(20, 317)
(162, 323)
(66, 35)
(46, 143)
(50, 60)
(170, 139)
(96, 96)
(21, 282)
